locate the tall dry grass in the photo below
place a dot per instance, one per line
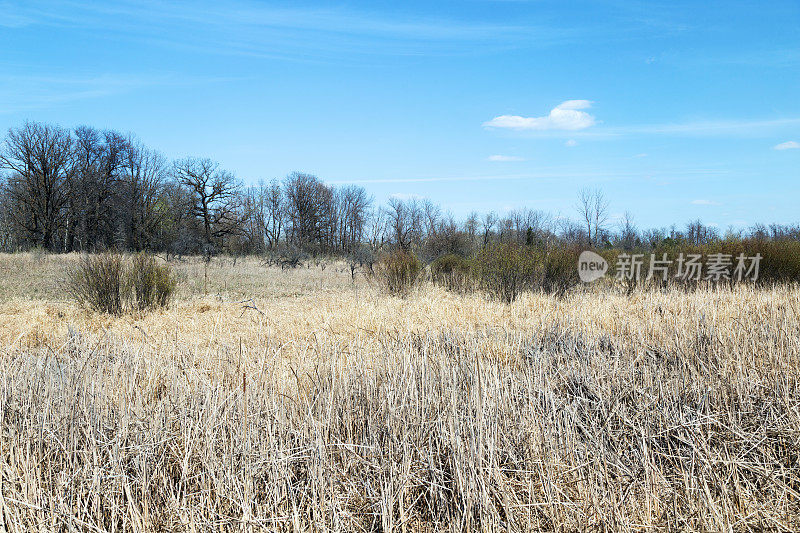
(332, 407)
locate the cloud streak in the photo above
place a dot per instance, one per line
(250, 28)
(504, 158)
(560, 175)
(742, 128)
(711, 128)
(33, 91)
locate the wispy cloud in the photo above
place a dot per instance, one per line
(31, 92)
(571, 143)
(24, 92)
(771, 58)
(554, 175)
(248, 28)
(704, 202)
(788, 145)
(12, 20)
(405, 197)
(504, 158)
(565, 116)
(710, 128)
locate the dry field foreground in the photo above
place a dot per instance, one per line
(299, 401)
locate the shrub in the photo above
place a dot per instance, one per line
(152, 285)
(506, 269)
(96, 282)
(780, 260)
(452, 272)
(108, 283)
(38, 254)
(397, 272)
(559, 271)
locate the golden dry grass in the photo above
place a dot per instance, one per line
(299, 401)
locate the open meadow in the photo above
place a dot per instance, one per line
(301, 400)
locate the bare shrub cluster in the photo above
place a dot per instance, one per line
(397, 272)
(779, 263)
(152, 285)
(506, 270)
(452, 272)
(111, 283)
(98, 282)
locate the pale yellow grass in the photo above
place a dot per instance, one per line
(301, 400)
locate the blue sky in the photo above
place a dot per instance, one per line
(676, 110)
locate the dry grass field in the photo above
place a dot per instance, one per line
(300, 401)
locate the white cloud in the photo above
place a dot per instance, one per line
(575, 104)
(788, 145)
(505, 158)
(565, 116)
(571, 142)
(704, 202)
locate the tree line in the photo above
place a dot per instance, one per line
(84, 189)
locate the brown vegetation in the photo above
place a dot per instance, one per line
(112, 283)
(397, 272)
(299, 400)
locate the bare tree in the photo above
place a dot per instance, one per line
(527, 224)
(405, 222)
(488, 223)
(180, 232)
(274, 214)
(628, 234)
(697, 233)
(353, 205)
(447, 239)
(93, 203)
(593, 209)
(143, 196)
(6, 219)
(572, 232)
(505, 230)
(39, 159)
(431, 213)
(254, 227)
(471, 227)
(215, 197)
(377, 228)
(309, 209)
